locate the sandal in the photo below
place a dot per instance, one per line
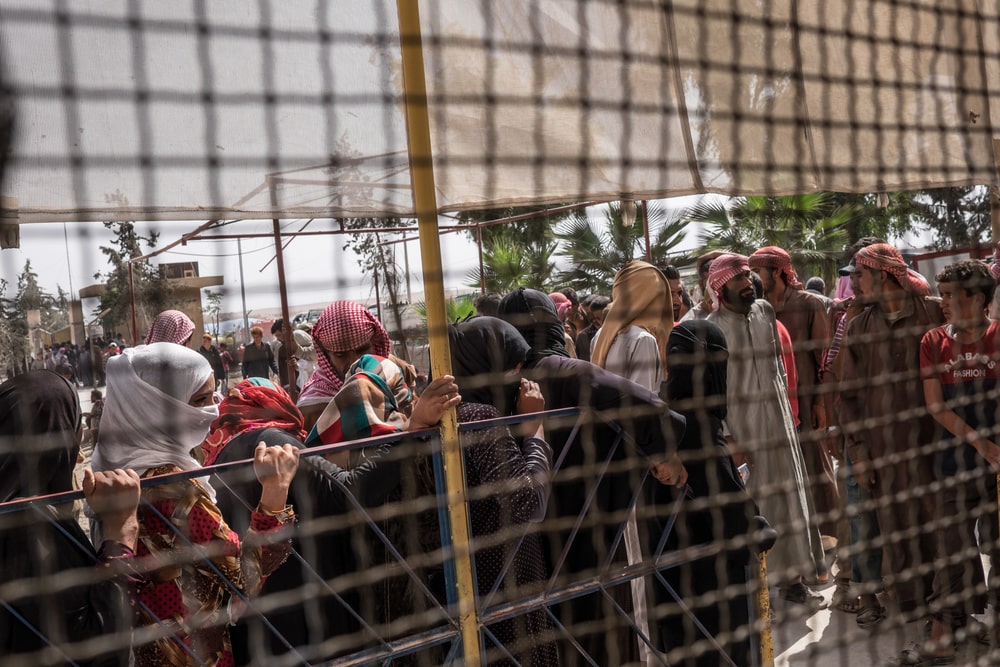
(844, 601)
(870, 616)
(974, 630)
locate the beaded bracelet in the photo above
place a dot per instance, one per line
(284, 515)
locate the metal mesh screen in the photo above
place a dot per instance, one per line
(284, 126)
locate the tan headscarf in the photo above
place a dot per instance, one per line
(640, 297)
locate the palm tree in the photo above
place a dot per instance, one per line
(509, 263)
(456, 309)
(813, 227)
(598, 250)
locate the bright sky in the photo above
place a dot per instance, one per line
(318, 270)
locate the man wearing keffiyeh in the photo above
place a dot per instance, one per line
(804, 315)
(881, 386)
(760, 426)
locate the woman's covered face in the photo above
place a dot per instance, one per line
(204, 396)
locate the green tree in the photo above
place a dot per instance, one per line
(958, 217)
(887, 215)
(509, 263)
(456, 309)
(515, 254)
(379, 261)
(813, 228)
(15, 346)
(597, 250)
(53, 312)
(152, 290)
(214, 299)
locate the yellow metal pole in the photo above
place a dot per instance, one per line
(764, 615)
(424, 201)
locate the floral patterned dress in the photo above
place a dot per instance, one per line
(197, 562)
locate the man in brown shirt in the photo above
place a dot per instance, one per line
(804, 315)
(881, 392)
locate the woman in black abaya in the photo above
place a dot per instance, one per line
(717, 511)
(507, 477)
(39, 442)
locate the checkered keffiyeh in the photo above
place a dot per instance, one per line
(343, 326)
(170, 326)
(724, 268)
(886, 257)
(775, 258)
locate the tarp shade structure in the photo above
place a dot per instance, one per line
(285, 108)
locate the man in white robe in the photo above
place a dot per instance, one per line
(761, 429)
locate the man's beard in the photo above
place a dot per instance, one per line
(739, 301)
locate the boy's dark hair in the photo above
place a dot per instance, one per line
(487, 304)
(278, 324)
(598, 302)
(863, 242)
(972, 275)
(570, 294)
(669, 272)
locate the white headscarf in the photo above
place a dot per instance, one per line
(147, 421)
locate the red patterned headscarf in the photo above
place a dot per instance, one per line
(252, 404)
(775, 258)
(886, 257)
(170, 326)
(342, 326)
(724, 268)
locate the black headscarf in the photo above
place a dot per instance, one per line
(697, 361)
(39, 418)
(482, 350)
(534, 314)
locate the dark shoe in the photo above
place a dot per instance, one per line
(919, 656)
(870, 616)
(802, 594)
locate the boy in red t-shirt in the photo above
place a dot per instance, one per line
(959, 365)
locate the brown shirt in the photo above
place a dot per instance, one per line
(882, 396)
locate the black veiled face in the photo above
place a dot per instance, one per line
(39, 435)
(697, 363)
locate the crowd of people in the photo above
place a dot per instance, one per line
(845, 437)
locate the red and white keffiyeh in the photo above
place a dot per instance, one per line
(170, 326)
(775, 258)
(343, 326)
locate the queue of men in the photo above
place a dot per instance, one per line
(896, 389)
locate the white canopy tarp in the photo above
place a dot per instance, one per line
(287, 108)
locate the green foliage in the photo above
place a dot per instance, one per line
(53, 310)
(814, 228)
(596, 251)
(15, 347)
(515, 254)
(509, 264)
(152, 291)
(379, 261)
(457, 309)
(214, 299)
(958, 217)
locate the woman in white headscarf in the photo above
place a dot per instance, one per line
(159, 407)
